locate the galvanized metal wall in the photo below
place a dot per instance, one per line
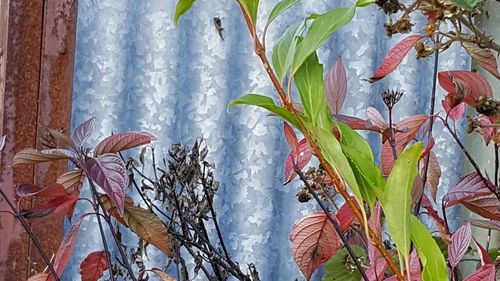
(36, 71)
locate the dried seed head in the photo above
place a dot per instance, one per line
(303, 195)
(403, 25)
(391, 97)
(487, 106)
(473, 124)
(389, 6)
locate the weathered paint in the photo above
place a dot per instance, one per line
(37, 40)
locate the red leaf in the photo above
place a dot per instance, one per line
(314, 241)
(470, 185)
(66, 248)
(387, 157)
(303, 157)
(410, 126)
(378, 265)
(433, 174)
(454, 113)
(58, 205)
(470, 85)
(483, 57)
(345, 217)
(487, 206)
(428, 148)
(377, 269)
(376, 118)
(93, 266)
(108, 171)
(291, 139)
(59, 151)
(83, 132)
(485, 257)
(357, 123)
(495, 225)
(460, 241)
(443, 230)
(485, 273)
(51, 190)
(336, 87)
(122, 141)
(395, 56)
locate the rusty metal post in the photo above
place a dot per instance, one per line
(37, 46)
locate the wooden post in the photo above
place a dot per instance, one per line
(37, 47)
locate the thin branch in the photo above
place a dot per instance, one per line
(31, 235)
(112, 230)
(431, 125)
(334, 223)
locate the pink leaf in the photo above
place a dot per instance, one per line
(51, 190)
(485, 273)
(460, 241)
(357, 123)
(376, 118)
(488, 131)
(122, 141)
(433, 174)
(83, 132)
(66, 248)
(485, 257)
(483, 57)
(314, 241)
(345, 217)
(377, 269)
(93, 266)
(495, 225)
(108, 171)
(303, 157)
(336, 87)
(466, 84)
(487, 206)
(291, 139)
(395, 56)
(59, 151)
(470, 185)
(454, 113)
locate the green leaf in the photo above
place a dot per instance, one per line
(309, 82)
(466, 4)
(396, 200)
(332, 151)
(322, 27)
(279, 9)
(360, 157)
(364, 3)
(251, 7)
(284, 50)
(267, 103)
(337, 267)
(428, 250)
(182, 7)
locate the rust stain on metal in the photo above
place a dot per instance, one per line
(35, 90)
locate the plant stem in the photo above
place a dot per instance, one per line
(103, 236)
(431, 125)
(392, 139)
(334, 223)
(338, 183)
(112, 230)
(469, 157)
(497, 164)
(31, 235)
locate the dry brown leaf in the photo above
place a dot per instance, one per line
(163, 276)
(433, 174)
(31, 156)
(483, 57)
(142, 222)
(72, 179)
